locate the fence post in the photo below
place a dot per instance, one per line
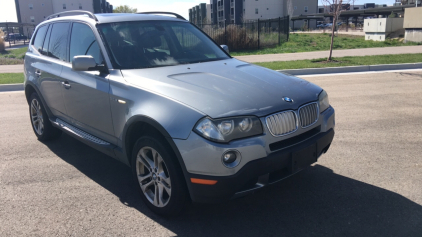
(258, 32)
(279, 31)
(288, 27)
(8, 35)
(225, 33)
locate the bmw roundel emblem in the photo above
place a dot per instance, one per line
(287, 99)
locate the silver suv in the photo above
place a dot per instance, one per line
(159, 95)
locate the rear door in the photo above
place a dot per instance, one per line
(47, 64)
(87, 97)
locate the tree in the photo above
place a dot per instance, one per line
(334, 8)
(125, 9)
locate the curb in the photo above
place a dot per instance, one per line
(367, 68)
(11, 87)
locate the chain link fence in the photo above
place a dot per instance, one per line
(252, 34)
(16, 34)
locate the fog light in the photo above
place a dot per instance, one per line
(229, 157)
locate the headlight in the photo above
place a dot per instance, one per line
(323, 101)
(225, 130)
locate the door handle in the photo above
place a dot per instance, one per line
(38, 72)
(66, 85)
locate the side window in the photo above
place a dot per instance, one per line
(39, 37)
(44, 49)
(162, 45)
(57, 46)
(83, 42)
(186, 38)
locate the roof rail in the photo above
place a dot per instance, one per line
(165, 13)
(76, 12)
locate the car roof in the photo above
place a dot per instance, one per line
(116, 17)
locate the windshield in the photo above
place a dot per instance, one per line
(146, 44)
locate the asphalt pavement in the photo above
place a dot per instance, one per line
(368, 184)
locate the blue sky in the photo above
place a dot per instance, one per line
(8, 12)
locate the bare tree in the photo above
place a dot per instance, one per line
(334, 8)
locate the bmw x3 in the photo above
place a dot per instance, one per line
(158, 94)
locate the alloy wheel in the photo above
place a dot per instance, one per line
(37, 117)
(153, 176)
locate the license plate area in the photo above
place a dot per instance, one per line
(303, 158)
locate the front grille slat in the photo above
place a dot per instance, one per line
(282, 123)
(286, 122)
(308, 114)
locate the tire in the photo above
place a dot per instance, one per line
(40, 122)
(162, 187)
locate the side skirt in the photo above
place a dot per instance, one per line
(88, 139)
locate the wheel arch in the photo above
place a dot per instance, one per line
(140, 125)
(31, 88)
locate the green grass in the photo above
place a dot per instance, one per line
(317, 42)
(11, 78)
(11, 57)
(344, 61)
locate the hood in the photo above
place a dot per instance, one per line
(225, 88)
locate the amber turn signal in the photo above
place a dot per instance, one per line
(203, 181)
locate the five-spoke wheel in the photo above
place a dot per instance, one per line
(153, 176)
(43, 129)
(37, 117)
(159, 176)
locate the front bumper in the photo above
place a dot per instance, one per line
(262, 172)
(264, 159)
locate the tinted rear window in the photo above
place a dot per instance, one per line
(58, 41)
(39, 37)
(44, 49)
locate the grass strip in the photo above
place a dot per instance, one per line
(344, 61)
(319, 42)
(11, 78)
(12, 57)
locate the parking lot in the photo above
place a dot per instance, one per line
(368, 184)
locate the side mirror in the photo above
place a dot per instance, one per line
(85, 63)
(225, 47)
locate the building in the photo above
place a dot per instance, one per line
(379, 28)
(238, 11)
(301, 7)
(348, 7)
(407, 2)
(198, 14)
(226, 11)
(34, 12)
(263, 9)
(412, 24)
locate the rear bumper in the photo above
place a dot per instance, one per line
(262, 172)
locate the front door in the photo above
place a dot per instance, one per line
(86, 94)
